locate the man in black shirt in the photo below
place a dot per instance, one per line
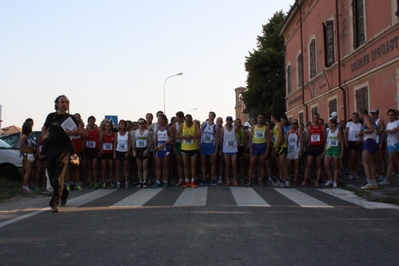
(59, 148)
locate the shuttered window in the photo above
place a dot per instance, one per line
(362, 98)
(358, 22)
(332, 106)
(300, 118)
(397, 9)
(299, 67)
(314, 110)
(289, 79)
(312, 51)
(329, 42)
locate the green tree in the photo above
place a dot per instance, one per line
(266, 75)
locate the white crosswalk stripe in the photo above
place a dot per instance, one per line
(302, 199)
(81, 200)
(247, 197)
(192, 197)
(138, 199)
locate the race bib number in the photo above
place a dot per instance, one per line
(315, 138)
(291, 147)
(230, 143)
(159, 144)
(141, 143)
(122, 147)
(90, 144)
(333, 142)
(107, 146)
(259, 135)
(207, 139)
(188, 141)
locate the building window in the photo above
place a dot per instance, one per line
(301, 118)
(332, 106)
(397, 9)
(312, 51)
(299, 67)
(289, 79)
(329, 42)
(362, 98)
(314, 110)
(358, 22)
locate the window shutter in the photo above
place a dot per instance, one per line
(299, 67)
(397, 8)
(312, 50)
(314, 110)
(300, 118)
(362, 100)
(329, 42)
(289, 79)
(332, 106)
(358, 23)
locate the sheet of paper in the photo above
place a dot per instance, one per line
(69, 124)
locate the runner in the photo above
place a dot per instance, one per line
(163, 139)
(208, 148)
(219, 146)
(316, 139)
(189, 133)
(380, 142)
(122, 147)
(91, 135)
(295, 142)
(241, 136)
(280, 150)
(106, 144)
(260, 140)
(369, 134)
(392, 132)
(141, 145)
(333, 151)
(177, 147)
(354, 144)
(229, 149)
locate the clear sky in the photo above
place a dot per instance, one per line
(113, 57)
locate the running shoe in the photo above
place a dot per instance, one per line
(165, 184)
(127, 185)
(104, 186)
(180, 183)
(203, 183)
(186, 185)
(145, 185)
(156, 185)
(54, 209)
(26, 189)
(79, 188)
(111, 185)
(213, 183)
(369, 185)
(118, 185)
(335, 185)
(140, 185)
(248, 184)
(329, 182)
(270, 181)
(220, 180)
(193, 185)
(351, 176)
(287, 183)
(384, 181)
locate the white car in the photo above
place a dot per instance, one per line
(10, 162)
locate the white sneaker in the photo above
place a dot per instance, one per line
(26, 189)
(118, 185)
(384, 181)
(369, 185)
(329, 183)
(335, 185)
(287, 183)
(220, 180)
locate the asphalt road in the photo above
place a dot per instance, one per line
(204, 226)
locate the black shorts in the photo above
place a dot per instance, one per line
(107, 156)
(121, 156)
(354, 145)
(281, 150)
(189, 154)
(91, 153)
(315, 150)
(139, 153)
(241, 150)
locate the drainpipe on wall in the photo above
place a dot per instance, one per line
(339, 63)
(303, 77)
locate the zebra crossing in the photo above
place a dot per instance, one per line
(241, 197)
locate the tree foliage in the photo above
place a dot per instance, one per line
(265, 66)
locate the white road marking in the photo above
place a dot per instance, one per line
(247, 197)
(138, 199)
(192, 197)
(302, 199)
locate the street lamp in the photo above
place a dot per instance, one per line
(179, 74)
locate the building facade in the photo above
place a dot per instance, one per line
(341, 55)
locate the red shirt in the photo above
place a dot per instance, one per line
(92, 138)
(108, 143)
(316, 135)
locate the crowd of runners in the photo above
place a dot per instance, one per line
(184, 152)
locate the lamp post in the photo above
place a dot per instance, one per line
(178, 74)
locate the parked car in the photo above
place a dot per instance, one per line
(13, 139)
(10, 162)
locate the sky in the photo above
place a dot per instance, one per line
(113, 57)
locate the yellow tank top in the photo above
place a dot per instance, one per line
(259, 135)
(189, 144)
(275, 137)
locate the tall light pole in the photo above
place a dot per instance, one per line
(179, 74)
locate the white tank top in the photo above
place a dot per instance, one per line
(208, 133)
(293, 142)
(229, 141)
(122, 142)
(177, 129)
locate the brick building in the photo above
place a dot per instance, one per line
(341, 55)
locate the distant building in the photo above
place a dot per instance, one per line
(240, 105)
(10, 130)
(341, 55)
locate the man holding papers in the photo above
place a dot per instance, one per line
(62, 127)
